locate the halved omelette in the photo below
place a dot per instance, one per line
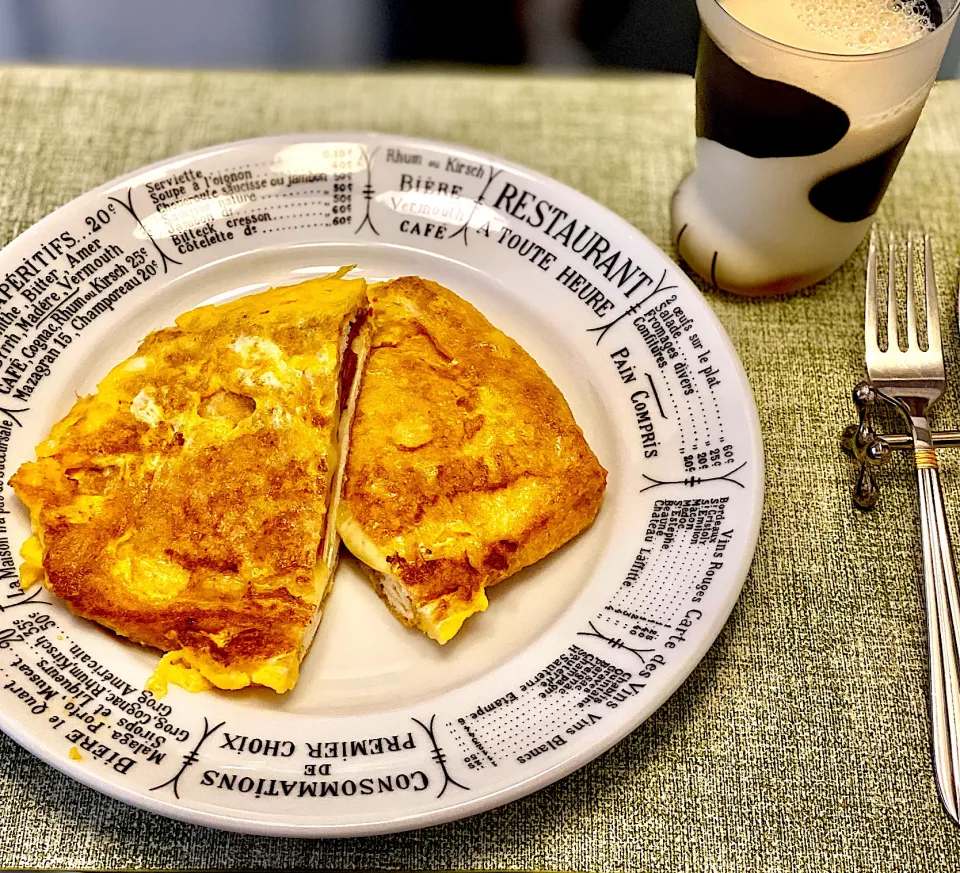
(190, 503)
(465, 462)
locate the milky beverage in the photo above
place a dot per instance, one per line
(804, 108)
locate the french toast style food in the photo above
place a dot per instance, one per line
(190, 503)
(465, 462)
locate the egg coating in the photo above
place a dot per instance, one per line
(184, 505)
(465, 462)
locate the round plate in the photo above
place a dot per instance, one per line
(387, 730)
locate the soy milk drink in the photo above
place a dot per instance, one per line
(804, 108)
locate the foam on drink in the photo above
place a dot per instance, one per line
(844, 27)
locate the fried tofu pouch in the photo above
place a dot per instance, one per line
(465, 462)
(186, 504)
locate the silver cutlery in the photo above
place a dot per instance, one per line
(913, 379)
(942, 439)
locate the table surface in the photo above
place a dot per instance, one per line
(800, 743)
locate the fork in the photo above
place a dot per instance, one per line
(913, 380)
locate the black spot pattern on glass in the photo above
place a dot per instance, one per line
(762, 118)
(855, 193)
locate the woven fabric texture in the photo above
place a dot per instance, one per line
(800, 743)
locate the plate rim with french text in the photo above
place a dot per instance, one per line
(386, 731)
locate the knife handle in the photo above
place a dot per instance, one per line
(943, 627)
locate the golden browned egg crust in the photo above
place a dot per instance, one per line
(465, 463)
(183, 504)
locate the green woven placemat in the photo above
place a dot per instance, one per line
(801, 741)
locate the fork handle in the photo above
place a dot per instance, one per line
(943, 628)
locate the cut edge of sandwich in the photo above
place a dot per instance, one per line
(431, 617)
(356, 347)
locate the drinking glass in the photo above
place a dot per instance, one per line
(795, 149)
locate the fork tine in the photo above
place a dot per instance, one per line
(934, 342)
(893, 341)
(870, 341)
(913, 339)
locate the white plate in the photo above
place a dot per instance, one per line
(386, 730)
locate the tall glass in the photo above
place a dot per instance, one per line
(795, 149)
